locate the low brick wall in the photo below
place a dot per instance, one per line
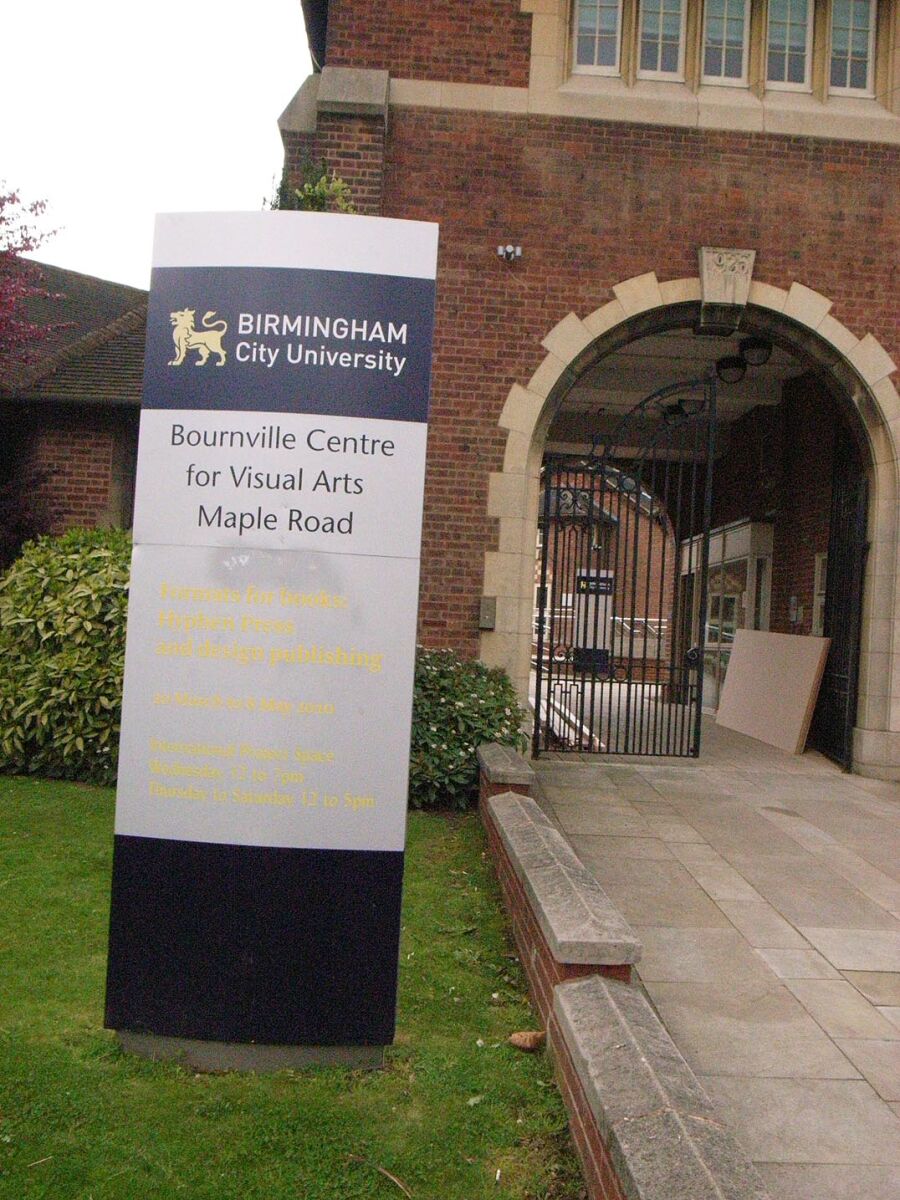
(599, 1172)
(502, 769)
(641, 1124)
(542, 967)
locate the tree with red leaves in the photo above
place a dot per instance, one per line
(21, 511)
(19, 279)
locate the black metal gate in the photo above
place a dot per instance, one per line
(621, 612)
(835, 713)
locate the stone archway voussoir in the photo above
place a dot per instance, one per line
(888, 400)
(679, 291)
(639, 293)
(806, 306)
(838, 335)
(522, 410)
(871, 361)
(568, 338)
(765, 295)
(602, 319)
(545, 377)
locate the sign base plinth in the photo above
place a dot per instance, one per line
(235, 1056)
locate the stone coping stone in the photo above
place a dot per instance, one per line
(575, 915)
(504, 764)
(665, 1139)
(355, 91)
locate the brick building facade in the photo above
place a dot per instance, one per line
(69, 413)
(546, 125)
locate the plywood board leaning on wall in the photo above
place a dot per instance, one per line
(771, 687)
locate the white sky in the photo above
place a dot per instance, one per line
(112, 111)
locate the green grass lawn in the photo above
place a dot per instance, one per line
(81, 1119)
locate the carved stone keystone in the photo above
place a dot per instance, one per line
(725, 275)
(725, 278)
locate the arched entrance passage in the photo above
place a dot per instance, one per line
(854, 374)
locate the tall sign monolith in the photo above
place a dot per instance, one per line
(261, 803)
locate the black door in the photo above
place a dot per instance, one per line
(835, 713)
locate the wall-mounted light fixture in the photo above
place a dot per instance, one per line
(683, 407)
(755, 350)
(732, 368)
(509, 253)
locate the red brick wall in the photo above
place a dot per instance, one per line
(749, 474)
(801, 527)
(77, 464)
(352, 147)
(599, 1172)
(483, 41)
(542, 969)
(544, 973)
(778, 469)
(593, 204)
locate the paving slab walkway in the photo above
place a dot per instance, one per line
(766, 891)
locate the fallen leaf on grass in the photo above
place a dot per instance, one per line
(530, 1039)
(383, 1171)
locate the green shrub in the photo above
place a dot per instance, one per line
(62, 646)
(457, 705)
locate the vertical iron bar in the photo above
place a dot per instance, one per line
(542, 613)
(553, 586)
(648, 699)
(662, 580)
(624, 540)
(593, 565)
(709, 391)
(685, 737)
(614, 608)
(672, 717)
(636, 552)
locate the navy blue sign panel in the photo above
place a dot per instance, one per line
(289, 340)
(254, 944)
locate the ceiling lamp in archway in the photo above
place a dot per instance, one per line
(732, 368)
(755, 350)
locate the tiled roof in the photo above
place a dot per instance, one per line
(97, 356)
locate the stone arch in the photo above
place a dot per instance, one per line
(860, 367)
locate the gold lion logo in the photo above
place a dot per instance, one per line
(205, 341)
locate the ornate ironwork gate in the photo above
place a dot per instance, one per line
(621, 612)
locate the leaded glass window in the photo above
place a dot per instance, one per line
(788, 43)
(725, 28)
(597, 33)
(661, 37)
(852, 38)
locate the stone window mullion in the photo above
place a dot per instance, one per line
(758, 34)
(821, 42)
(887, 55)
(630, 39)
(693, 45)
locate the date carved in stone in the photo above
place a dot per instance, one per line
(725, 275)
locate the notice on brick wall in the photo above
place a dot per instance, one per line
(261, 801)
